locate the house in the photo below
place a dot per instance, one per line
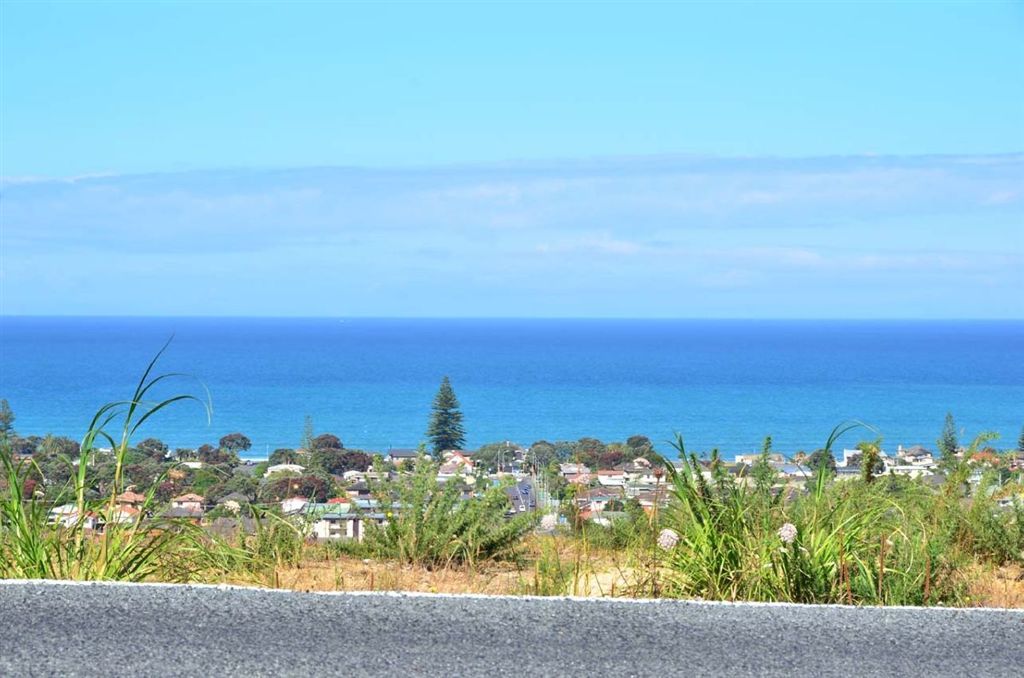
(130, 498)
(65, 515)
(572, 469)
(792, 471)
(753, 458)
(398, 455)
(456, 464)
(121, 515)
(283, 468)
(611, 477)
(337, 521)
(293, 505)
(190, 502)
(915, 456)
(359, 490)
(847, 473)
(597, 499)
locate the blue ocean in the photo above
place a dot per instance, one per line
(720, 383)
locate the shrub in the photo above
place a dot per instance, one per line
(430, 524)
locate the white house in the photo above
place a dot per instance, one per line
(293, 505)
(283, 468)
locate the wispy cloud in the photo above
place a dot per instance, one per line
(649, 226)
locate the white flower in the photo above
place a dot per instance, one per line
(549, 522)
(787, 533)
(667, 539)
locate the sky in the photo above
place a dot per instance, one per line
(720, 160)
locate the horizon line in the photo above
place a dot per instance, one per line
(42, 316)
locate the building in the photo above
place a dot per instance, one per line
(189, 502)
(283, 468)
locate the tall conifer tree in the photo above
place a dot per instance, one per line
(948, 442)
(445, 430)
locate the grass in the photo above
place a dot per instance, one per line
(881, 541)
(147, 547)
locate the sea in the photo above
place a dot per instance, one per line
(722, 384)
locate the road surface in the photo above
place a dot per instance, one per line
(55, 629)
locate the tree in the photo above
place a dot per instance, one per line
(307, 434)
(822, 459)
(56, 446)
(208, 454)
(589, 452)
(541, 454)
(493, 456)
(311, 487)
(766, 446)
(153, 448)
(284, 455)
(6, 420)
(641, 446)
(948, 442)
(325, 441)
(235, 443)
(1020, 441)
(336, 461)
(445, 430)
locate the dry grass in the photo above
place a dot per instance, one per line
(590, 573)
(999, 587)
(597, 573)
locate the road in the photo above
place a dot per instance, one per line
(162, 630)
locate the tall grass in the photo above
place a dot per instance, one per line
(888, 541)
(430, 524)
(145, 547)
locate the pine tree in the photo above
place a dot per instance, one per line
(445, 430)
(948, 443)
(1020, 441)
(6, 420)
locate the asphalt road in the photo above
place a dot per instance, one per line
(54, 629)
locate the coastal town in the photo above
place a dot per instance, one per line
(343, 504)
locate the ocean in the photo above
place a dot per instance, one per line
(720, 383)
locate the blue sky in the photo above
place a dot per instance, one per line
(727, 160)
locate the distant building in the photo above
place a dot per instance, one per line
(283, 468)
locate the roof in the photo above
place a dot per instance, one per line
(131, 497)
(191, 496)
(403, 452)
(181, 512)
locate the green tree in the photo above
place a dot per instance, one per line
(820, 459)
(307, 434)
(153, 448)
(541, 454)
(870, 460)
(284, 455)
(325, 441)
(1020, 441)
(235, 443)
(766, 446)
(6, 420)
(948, 442)
(445, 430)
